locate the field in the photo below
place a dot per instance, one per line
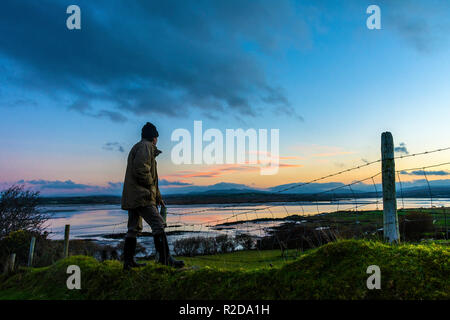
(372, 218)
(336, 270)
(248, 259)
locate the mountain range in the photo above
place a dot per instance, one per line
(416, 186)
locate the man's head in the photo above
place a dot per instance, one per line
(150, 133)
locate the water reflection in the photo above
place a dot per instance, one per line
(94, 221)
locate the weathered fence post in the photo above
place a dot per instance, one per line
(66, 241)
(11, 263)
(31, 253)
(446, 228)
(390, 218)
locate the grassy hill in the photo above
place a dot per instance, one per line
(334, 271)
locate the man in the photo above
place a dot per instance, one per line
(141, 196)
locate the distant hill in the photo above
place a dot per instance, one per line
(410, 187)
(221, 186)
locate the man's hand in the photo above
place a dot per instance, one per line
(161, 202)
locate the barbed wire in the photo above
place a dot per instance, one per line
(426, 167)
(419, 153)
(209, 223)
(338, 173)
(205, 227)
(92, 227)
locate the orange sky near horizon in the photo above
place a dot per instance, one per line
(301, 164)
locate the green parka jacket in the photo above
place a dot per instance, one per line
(140, 187)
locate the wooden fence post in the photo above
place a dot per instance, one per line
(446, 228)
(11, 263)
(31, 253)
(390, 217)
(66, 241)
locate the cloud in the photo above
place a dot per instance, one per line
(115, 185)
(220, 170)
(46, 184)
(67, 187)
(401, 148)
(424, 25)
(164, 182)
(151, 57)
(319, 151)
(332, 154)
(428, 173)
(339, 164)
(70, 188)
(113, 146)
(268, 156)
(85, 108)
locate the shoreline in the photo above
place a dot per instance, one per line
(258, 198)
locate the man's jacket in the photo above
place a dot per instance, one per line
(140, 188)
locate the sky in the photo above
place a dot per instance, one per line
(73, 102)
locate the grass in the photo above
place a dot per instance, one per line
(254, 259)
(376, 216)
(334, 271)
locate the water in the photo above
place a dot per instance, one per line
(98, 221)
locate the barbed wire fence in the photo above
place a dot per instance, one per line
(357, 205)
(312, 219)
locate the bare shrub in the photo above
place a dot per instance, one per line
(187, 247)
(245, 240)
(225, 243)
(18, 211)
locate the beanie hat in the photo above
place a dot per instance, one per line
(149, 131)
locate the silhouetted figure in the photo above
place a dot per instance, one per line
(141, 196)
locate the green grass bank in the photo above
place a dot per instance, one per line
(334, 271)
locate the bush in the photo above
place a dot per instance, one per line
(245, 240)
(225, 243)
(46, 251)
(187, 247)
(204, 245)
(292, 236)
(414, 225)
(208, 246)
(18, 211)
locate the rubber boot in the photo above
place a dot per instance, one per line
(129, 250)
(162, 248)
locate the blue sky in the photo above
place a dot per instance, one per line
(72, 102)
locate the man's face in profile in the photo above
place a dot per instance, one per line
(155, 141)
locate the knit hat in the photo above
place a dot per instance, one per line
(149, 131)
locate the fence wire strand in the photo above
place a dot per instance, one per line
(259, 228)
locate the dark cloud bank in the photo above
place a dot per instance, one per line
(70, 188)
(141, 57)
(134, 58)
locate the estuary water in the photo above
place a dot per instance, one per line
(107, 223)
